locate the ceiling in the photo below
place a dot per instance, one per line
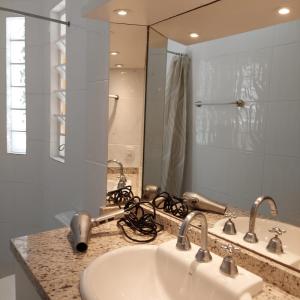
(130, 41)
(143, 12)
(219, 19)
(227, 17)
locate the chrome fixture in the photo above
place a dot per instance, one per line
(228, 266)
(150, 191)
(23, 13)
(115, 97)
(238, 103)
(175, 53)
(122, 179)
(229, 226)
(183, 243)
(250, 236)
(275, 243)
(82, 224)
(197, 202)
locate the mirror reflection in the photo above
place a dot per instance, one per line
(126, 108)
(222, 116)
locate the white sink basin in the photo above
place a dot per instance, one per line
(291, 244)
(146, 272)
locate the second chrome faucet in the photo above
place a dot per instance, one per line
(250, 236)
(183, 243)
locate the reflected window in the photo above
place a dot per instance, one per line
(58, 84)
(16, 85)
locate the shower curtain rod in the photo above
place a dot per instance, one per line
(35, 16)
(175, 53)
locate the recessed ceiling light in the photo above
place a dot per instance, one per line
(284, 11)
(119, 66)
(121, 12)
(114, 53)
(194, 35)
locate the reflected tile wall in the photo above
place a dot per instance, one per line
(241, 153)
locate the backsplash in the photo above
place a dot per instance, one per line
(236, 154)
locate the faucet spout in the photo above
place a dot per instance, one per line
(250, 236)
(123, 179)
(183, 242)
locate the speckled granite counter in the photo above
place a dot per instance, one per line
(54, 268)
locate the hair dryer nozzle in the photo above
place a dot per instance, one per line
(81, 226)
(150, 192)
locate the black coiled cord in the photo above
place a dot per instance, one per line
(171, 204)
(139, 222)
(120, 196)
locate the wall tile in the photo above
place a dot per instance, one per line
(96, 136)
(281, 180)
(97, 69)
(283, 128)
(285, 73)
(253, 75)
(229, 127)
(287, 33)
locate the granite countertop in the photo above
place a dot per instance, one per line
(54, 268)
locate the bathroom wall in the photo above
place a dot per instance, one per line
(156, 71)
(126, 116)
(236, 154)
(34, 188)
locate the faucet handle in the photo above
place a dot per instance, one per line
(277, 230)
(275, 243)
(229, 226)
(228, 266)
(230, 248)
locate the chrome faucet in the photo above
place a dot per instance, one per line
(183, 243)
(250, 236)
(122, 179)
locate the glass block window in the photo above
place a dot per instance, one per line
(58, 84)
(16, 85)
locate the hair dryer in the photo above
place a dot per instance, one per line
(82, 224)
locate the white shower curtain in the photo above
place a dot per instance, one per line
(175, 127)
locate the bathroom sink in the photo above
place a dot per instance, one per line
(163, 273)
(291, 245)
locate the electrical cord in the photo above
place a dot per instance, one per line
(120, 196)
(171, 204)
(137, 221)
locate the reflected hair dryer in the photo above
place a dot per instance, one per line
(82, 224)
(195, 201)
(150, 191)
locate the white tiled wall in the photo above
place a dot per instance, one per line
(236, 154)
(34, 188)
(126, 116)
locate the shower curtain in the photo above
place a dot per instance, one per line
(175, 125)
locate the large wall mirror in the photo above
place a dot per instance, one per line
(126, 107)
(223, 109)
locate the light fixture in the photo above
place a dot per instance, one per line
(194, 35)
(121, 12)
(119, 66)
(284, 11)
(114, 53)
